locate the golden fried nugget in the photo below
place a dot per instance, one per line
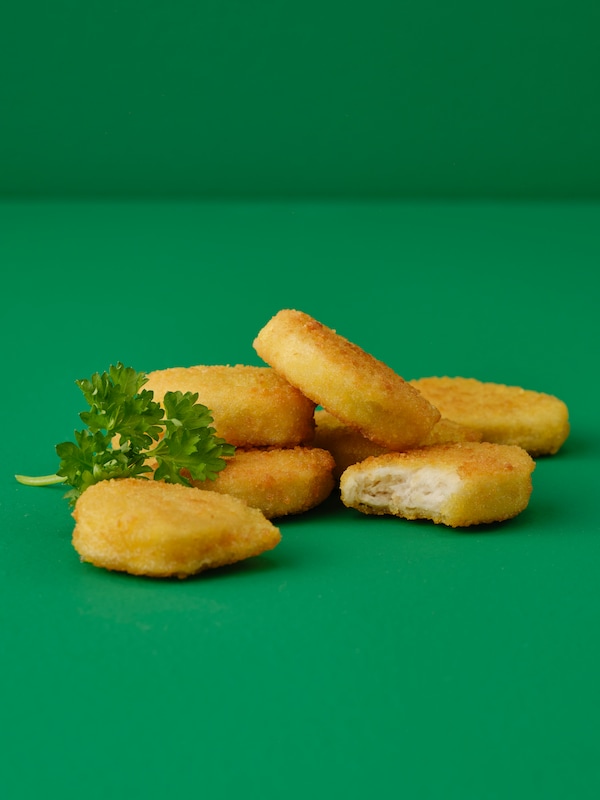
(277, 481)
(163, 529)
(535, 421)
(348, 446)
(250, 406)
(460, 484)
(351, 384)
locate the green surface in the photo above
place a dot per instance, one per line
(266, 98)
(363, 657)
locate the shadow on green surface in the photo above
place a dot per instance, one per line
(251, 567)
(331, 507)
(578, 444)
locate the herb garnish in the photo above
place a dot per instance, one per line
(128, 435)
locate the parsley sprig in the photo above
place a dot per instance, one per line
(128, 434)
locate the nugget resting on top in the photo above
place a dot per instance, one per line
(348, 446)
(536, 421)
(277, 481)
(460, 484)
(250, 406)
(164, 529)
(351, 384)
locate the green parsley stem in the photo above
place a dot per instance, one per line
(40, 480)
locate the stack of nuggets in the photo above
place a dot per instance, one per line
(408, 454)
(275, 467)
(159, 529)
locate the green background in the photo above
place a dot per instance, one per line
(426, 181)
(222, 97)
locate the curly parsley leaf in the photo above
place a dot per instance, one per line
(129, 435)
(189, 441)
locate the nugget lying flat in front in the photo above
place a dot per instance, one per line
(164, 529)
(460, 484)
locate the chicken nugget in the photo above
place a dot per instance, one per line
(351, 384)
(348, 446)
(535, 421)
(250, 406)
(277, 481)
(458, 485)
(166, 530)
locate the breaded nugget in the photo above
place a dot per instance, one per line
(461, 484)
(277, 481)
(351, 384)
(163, 529)
(250, 406)
(535, 421)
(348, 446)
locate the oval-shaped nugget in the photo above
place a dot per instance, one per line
(345, 380)
(461, 484)
(348, 446)
(166, 530)
(250, 406)
(535, 421)
(277, 481)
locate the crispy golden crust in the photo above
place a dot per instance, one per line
(536, 421)
(277, 481)
(251, 406)
(461, 484)
(162, 530)
(348, 446)
(351, 384)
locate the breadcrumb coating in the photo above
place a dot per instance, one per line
(277, 481)
(535, 421)
(166, 530)
(251, 406)
(458, 485)
(351, 384)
